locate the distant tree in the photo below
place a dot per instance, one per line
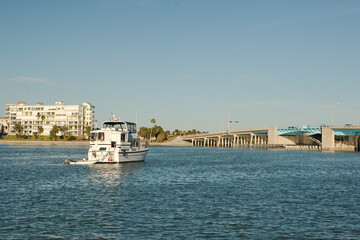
(38, 116)
(53, 132)
(42, 119)
(145, 132)
(63, 130)
(19, 130)
(157, 130)
(153, 121)
(40, 131)
(167, 133)
(87, 131)
(176, 132)
(2, 129)
(161, 137)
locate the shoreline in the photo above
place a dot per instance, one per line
(76, 143)
(171, 143)
(41, 142)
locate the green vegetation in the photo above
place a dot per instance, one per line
(19, 130)
(153, 121)
(158, 134)
(53, 133)
(40, 131)
(36, 138)
(65, 135)
(153, 134)
(70, 138)
(64, 131)
(87, 131)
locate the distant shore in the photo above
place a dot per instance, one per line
(174, 142)
(42, 142)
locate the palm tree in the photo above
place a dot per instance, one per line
(42, 120)
(53, 132)
(19, 129)
(63, 130)
(153, 121)
(40, 131)
(87, 131)
(38, 116)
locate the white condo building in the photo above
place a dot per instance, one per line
(4, 124)
(75, 117)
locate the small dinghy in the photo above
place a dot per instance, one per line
(83, 161)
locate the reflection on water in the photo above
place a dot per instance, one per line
(113, 174)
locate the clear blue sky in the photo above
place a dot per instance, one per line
(186, 63)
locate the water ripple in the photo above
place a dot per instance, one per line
(179, 192)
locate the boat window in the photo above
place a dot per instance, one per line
(93, 137)
(136, 143)
(132, 128)
(122, 137)
(101, 136)
(113, 144)
(117, 126)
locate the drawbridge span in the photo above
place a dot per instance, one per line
(330, 138)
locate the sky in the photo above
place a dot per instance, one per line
(187, 64)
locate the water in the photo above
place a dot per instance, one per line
(180, 192)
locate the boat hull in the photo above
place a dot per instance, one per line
(123, 157)
(137, 156)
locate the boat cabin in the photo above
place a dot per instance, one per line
(116, 134)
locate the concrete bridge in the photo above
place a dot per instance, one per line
(327, 138)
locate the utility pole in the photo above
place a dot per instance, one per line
(228, 122)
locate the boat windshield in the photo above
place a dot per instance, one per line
(95, 136)
(117, 126)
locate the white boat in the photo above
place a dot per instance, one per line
(115, 142)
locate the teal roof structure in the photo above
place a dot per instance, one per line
(346, 132)
(294, 131)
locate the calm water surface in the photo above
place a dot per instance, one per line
(180, 192)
